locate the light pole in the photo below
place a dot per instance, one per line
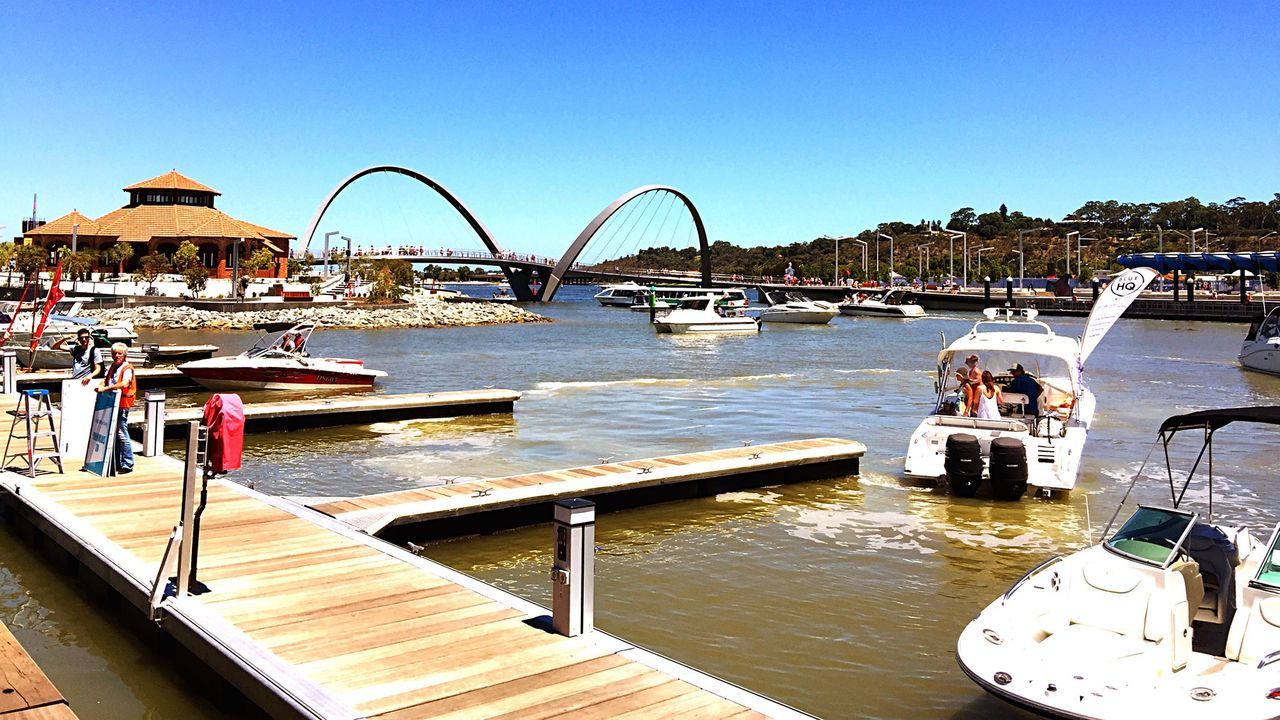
(344, 237)
(863, 243)
(1193, 238)
(890, 239)
(1077, 234)
(925, 258)
(1079, 254)
(326, 249)
(1022, 258)
(75, 233)
(989, 247)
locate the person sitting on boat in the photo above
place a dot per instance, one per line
(988, 397)
(1025, 384)
(291, 342)
(86, 360)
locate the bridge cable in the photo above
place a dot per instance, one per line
(615, 227)
(626, 240)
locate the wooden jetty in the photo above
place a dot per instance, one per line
(350, 410)
(25, 692)
(525, 499)
(310, 618)
(148, 379)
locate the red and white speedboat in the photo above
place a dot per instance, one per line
(281, 365)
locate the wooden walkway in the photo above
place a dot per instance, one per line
(148, 378)
(313, 619)
(350, 410)
(767, 463)
(25, 692)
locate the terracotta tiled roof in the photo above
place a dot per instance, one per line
(64, 225)
(172, 180)
(144, 222)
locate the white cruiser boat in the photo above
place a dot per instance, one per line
(792, 307)
(890, 302)
(1261, 349)
(619, 295)
(697, 315)
(280, 365)
(64, 319)
(669, 298)
(1173, 616)
(1037, 441)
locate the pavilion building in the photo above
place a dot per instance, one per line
(162, 213)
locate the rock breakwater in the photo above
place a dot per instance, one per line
(419, 313)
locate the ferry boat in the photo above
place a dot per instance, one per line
(702, 314)
(1172, 616)
(668, 298)
(1261, 349)
(890, 302)
(1037, 441)
(283, 364)
(792, 307)
(619, 294)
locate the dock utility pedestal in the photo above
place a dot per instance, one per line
(573, 567)
(34, 414)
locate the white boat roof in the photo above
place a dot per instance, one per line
(1014, 335)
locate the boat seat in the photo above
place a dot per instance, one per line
(1194, 582)
(1256, 633)
(1016, 401)
(979, 424)
(1114, 614)
(1217, 557)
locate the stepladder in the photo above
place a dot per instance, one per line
(36, 431)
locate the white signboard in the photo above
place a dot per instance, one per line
(77, 413)
(1120, 293)
(99, 456)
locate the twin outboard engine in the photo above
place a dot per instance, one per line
(963, 464)
(1008, 468)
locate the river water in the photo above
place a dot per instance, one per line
(842, 598)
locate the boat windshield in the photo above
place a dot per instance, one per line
(1268, 576)
(1152, 535)
(698, 303)
(1271, 326)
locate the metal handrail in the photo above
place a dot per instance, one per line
(1014, 587)
(1270, 658)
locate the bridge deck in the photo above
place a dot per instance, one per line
(310, 618)
(764, 463)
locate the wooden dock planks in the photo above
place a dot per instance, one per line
(313, 619)
(357, 409)
(374, 513)
(25, 692)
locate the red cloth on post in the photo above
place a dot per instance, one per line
(224, 416)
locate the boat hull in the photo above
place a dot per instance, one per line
(705, 328)
(807, 317)
(252, 379)
(894, 311)
(1261, 356)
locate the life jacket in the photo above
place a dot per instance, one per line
(130, 393)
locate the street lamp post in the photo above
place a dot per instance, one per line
(235, 268)
(922, 268)
(1077, 234)
(326, 249)
(890, 239)
(1022, 258)
(344, 237)
(989, 247)
(1193, 238)
(863, 243)
(75, 233)
(1079, 254)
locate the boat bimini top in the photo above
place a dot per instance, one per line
(1208, 421)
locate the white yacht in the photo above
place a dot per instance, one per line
(1037, 441)
(1173, 616)
(619, 295)
(21, 321)
(1261, 349)
(792, 307)
(667, 298)
(702, 314)
(890, 302)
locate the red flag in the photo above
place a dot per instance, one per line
(55, 294)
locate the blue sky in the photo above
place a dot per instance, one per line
(782, 121)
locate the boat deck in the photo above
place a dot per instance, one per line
(613, 485)
(25, 692)
(310, 618)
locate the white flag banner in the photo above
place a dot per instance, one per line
(1114, 300)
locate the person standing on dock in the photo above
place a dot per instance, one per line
(120, 376)
(86, 359)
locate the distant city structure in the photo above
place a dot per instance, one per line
(162, 213)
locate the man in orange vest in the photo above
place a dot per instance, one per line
(120, 376)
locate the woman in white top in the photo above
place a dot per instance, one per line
(989, 398)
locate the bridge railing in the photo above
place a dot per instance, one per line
(420, 251)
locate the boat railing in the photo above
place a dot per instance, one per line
(974, 423)
(1027, 575)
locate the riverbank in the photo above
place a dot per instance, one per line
(420, 312)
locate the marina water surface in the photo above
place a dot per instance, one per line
(843, 598)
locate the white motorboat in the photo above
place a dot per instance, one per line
(669, 298)
(890, 302)
(619, 294)
(698, 315)
(1173, 616)
(1046, 433)
(64, 319)
(282, 364)
(792, 307)
(1037, 437)
(1261, 349)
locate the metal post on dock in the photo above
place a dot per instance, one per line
(10, 370)
(1175, 286)
(153, 424)
(986, 290)
(573, 567)
(1097, 287)
(191, 475)
(1191, 289)
(1008, 292)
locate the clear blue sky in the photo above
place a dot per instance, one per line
(783, 121)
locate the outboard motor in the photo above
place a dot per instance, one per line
(963, 464)
(1008, 468)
